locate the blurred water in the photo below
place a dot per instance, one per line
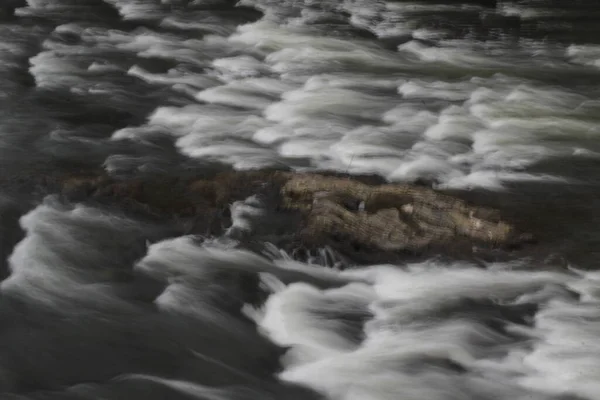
(495, 100)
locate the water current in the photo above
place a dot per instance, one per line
(497, 100)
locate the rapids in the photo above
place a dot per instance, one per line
(497, 100)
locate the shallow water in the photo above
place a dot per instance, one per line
(495, 100)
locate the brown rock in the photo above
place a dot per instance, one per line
(391, 217)
(340, 211)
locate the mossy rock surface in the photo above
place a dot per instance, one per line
(350, 214)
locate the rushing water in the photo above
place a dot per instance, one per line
(497, 99)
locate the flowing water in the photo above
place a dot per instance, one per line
(498, 100)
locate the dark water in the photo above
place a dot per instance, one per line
(496, 100)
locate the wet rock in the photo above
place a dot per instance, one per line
(392, 217)
(353, 215)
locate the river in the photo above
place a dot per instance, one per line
(496, 100)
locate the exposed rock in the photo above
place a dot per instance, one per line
(391, 217)
(351, 214)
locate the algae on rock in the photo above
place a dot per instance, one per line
(361, 213)
(390, 217)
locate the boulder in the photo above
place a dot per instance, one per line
(352, 215)
(392, 217)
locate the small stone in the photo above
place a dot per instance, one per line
(361, 206)
(407, 208)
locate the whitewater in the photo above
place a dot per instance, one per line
(497, 100)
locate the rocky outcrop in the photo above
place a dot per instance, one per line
(391, 217)
(351, 214)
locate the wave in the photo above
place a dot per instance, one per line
(98, 297)
(439, 331)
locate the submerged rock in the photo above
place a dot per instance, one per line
(353, 215)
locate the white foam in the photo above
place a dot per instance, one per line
(185, 256)
(232, 96)
(279, 89)
(174, 77)
(454, 126)
(409, 118)
(584, 54)
(332, 102)
(531, 13)
(50, 70)
(243, 66)
(56, 263)
(199, 22)
(251, 93)
(239, 155)
(424, 167)
(137, 9)
(412, 326)
(103, 67)
(438, 90)
(466, 57)
(184, 120)
(44, 8)
(292, 320)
